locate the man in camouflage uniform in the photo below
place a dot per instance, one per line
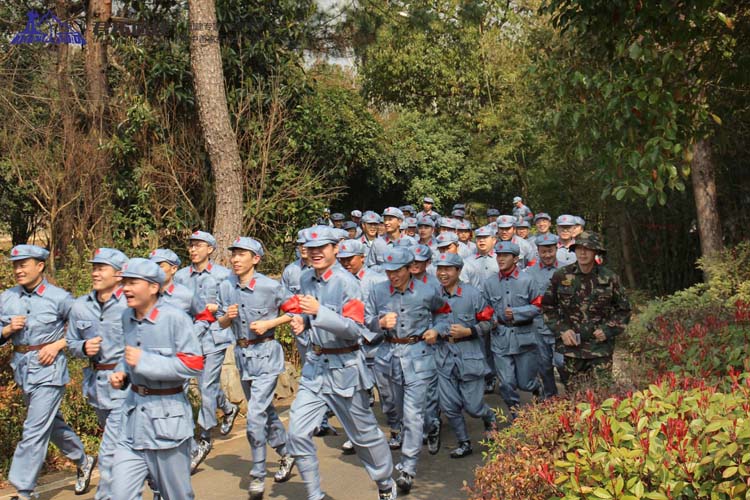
(586, 308)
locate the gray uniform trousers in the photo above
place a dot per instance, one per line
(109, 420)
(457, 395)
(263, 423)
(409, 400)
(360, 426)
(546, 367)
(383, 385)
(168, 468)
(432, 406)
(212, 395)
(517, 371)
(43, 423)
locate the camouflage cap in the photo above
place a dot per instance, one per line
(590, 240)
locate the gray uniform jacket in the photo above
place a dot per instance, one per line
(338, 324)
(46, 309)
(88, 319)
(518, 291)
(205, 285)
(261, 299)
(469, 309)
(170, 356)
(419, 308)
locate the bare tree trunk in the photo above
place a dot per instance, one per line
(213, 114)
(97, 87)
(706, 207)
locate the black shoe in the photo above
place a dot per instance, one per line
(433, 439)
(154, 489)
(348, 448)
(256, 488)
(489, 386)
(227, 421)
(387, 494)
(463, 450)
(286, 464)
(200, 455)
(395, 441)
(404, 482)
(490, 423)
(83, 478)
(324, 430)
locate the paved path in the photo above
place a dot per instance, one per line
(224, 474)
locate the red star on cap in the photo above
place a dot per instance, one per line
(314, 235)
(390, 258)
(343, 247)
(442, 256)
(152, 253)
(15, 251)
(418, 250)
(237, 240)
(195, 233)
(98, 251)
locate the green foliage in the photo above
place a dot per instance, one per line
(636, 84)
(679, 438)
(515, 455)
(729, 283)
(19, 212)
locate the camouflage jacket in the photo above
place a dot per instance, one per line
(582, 303)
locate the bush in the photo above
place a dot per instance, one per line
(704, 346)
(519, 455)
(680, 438)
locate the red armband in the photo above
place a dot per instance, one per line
(292, 305)
(485, 314)
(537, 302)
(192, 361)
(444, 309)
(354, 309)
(205, 315)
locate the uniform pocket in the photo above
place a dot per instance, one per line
(424, 366)
(344, 380)
(38, 374)
(169, 422)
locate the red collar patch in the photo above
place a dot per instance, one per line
(327, 275)
(40, 289)
(170, 289)
(154, 314)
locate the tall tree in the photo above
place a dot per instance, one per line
(219, 137)
(636, 86)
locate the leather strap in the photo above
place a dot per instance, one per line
(407, 340)
(146, 391)
(334, 350)
(103, 366)
(248, 342)
(23, 349)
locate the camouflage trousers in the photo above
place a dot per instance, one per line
(584, 373)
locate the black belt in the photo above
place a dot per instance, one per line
(248, 342)
(103, 366)
(407, 340)
(453, 340)
(23, 349)
(147, 391)
(522, 323)
(317, 349)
